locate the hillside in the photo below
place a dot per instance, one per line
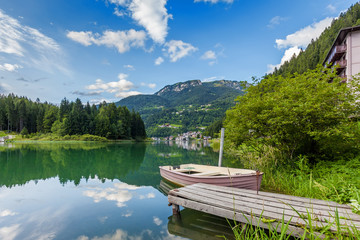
(316, 51)
(184, 105)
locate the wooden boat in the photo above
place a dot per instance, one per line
(187, 174)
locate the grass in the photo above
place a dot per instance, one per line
(251, 230)
(54, 137)
(176, 125)
(336, 180)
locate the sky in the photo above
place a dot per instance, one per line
(100, 50)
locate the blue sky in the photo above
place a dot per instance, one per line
(99, 50)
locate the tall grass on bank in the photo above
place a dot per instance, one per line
(338, 181)
(55, 137)
(251, 230)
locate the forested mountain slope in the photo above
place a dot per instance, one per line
(316, 51)
(184, 105)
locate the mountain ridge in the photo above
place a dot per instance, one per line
(189, 105)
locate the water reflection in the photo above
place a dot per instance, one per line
(136, 164)
(70, 162)
(188, 145)
(91, 191)
(197, 225)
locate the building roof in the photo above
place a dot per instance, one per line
(340, 38)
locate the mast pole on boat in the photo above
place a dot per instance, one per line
(221, 145)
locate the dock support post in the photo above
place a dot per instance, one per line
(176, 209)
(221, 145)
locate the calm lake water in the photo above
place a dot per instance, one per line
(98, 191)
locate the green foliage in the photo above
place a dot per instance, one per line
(337, 181)
(278, 229)
(214, 129)
(299, 114)
(71, 118)
(24, 132)
(58, 127)
(50, 116)
(316, 51)
(187, 104)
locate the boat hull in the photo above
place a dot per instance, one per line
(248, 181)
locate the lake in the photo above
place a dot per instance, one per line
(98, 191)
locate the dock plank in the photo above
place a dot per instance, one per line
(321, 209)
(240, 217)
(246, 205)
(268, 209)
(268, 213)
(272, 195)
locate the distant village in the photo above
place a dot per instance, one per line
(188, 145)
(183, 136)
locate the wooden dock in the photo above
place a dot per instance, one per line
(264, 209)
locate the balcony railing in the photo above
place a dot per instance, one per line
(341, 64)
(336, 53)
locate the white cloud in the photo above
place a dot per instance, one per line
(127, 94)
(127, 214)
(120, 234)
(9, 233)
(159, 61)
(299, 39)
(275, 21)
(215, 1)
(157, 221)
(331, 8)
(6, 213)
(150, 85)
(178, 49)
(120, 88)
(85, 38)
(121, 40)
(121, 85)
(119, 13)
(103, 219)
(130, 67)
(29, 45)
(119, 193)
(149, 195)
(151, 14)
(210, 79)
(208, 55)
(5, 88)
(9, 67)
(117, 235)
(303, 37)
(289, 53)
(98, 101)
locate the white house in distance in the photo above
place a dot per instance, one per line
(345, 52)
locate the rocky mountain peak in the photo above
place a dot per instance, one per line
(178, 87)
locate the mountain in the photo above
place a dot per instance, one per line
(317, 50)
(184, 105)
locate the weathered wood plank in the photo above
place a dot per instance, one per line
(206, 174)
(222, 203)
(240, 217)
(279, 206)
(268, 194)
